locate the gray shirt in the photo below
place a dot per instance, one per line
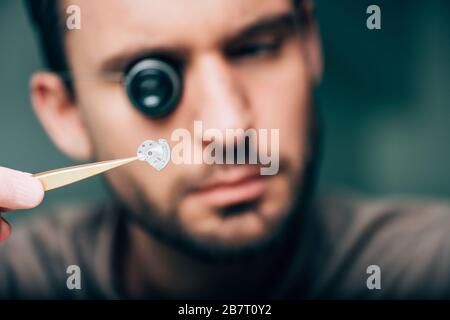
(338, 239)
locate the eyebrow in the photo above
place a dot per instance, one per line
(284, 21)
(118, 63)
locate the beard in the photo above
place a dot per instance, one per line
(170, 232)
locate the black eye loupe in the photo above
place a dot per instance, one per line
(154, 87)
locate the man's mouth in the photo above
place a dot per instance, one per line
(232, 187)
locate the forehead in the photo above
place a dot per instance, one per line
(109, 26)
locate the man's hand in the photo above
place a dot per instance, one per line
(18, 190)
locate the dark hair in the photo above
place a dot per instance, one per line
(46, 18)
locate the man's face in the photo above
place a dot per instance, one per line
(245, 67)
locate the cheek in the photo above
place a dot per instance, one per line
(280, 99)
(116, 126)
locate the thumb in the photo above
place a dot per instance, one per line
(19, 190)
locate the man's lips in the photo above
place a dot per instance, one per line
(232, 187)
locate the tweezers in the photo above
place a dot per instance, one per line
(61, 177)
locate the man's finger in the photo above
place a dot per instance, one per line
(19, 190)
(5, 230)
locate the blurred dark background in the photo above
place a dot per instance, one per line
(385, 100)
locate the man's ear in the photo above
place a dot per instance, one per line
(59, 115)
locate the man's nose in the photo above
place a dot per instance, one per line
(221, 101)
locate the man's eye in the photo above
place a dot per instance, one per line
(255, 50)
